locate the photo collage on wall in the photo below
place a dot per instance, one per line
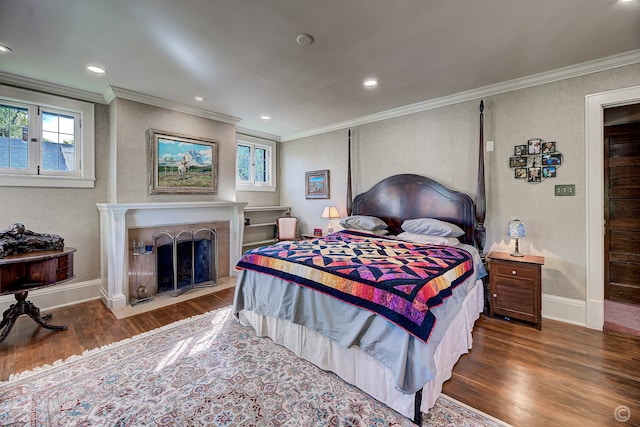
(535, 161)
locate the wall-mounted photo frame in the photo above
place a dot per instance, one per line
(534, 146)
(181, 164)
(535, 161)
(517, 162)
(534, 174)
(520, 173)
(552, 159)
(548, 147)
(549, 172)
(317, 184)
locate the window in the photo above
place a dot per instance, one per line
(255, 164)
(45, 140)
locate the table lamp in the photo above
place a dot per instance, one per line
(517, 230)
(330, 212)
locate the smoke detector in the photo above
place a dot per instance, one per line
(304, 39)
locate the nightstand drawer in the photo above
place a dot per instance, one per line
(509, 269)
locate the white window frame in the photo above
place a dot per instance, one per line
(84, 174)
(254, 142)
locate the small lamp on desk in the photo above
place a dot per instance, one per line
(330, 212)
(517, 230)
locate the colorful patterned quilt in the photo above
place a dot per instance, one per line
(398, 280)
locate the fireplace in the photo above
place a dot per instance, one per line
(185, 261)
(122, 223)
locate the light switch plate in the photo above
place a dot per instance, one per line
(565, 190)
(489, 145)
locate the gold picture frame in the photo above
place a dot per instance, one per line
(181, 164)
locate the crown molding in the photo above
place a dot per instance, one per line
(257, 134)
(589, 67)
(50, 88)
(114, 92)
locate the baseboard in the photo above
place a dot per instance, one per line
(59, 295)
(567, 310)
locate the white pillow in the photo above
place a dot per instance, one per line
(432, 227)
(363, 222)
(429, 240)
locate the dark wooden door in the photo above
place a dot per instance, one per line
(622, 212)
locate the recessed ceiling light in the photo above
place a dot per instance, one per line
(370, 83)
(96, 69)
(265, 117)
(4, 49)
(199, 98)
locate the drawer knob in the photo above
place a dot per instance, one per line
(495, 295)
(514, 272)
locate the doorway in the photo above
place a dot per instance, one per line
(622, 219)
(595, 105)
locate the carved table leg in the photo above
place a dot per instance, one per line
(22, 306)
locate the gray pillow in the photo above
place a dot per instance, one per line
(363, 222)
(432, 227)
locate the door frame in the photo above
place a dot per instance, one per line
(594, 122)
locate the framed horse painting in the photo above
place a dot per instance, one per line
(181, 164)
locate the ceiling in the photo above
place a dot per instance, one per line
(242, 55)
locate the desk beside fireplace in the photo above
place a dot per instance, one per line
(20, 274)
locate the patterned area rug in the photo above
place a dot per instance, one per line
(205, 371)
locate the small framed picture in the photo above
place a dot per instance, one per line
(548, 147)
(517, 162)
(520, 173)
(549, 172)
(317, 184)
(535, 146)
(552, 159)
(317, 232)
(519, 150)
(534, 175)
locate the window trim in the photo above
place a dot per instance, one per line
(85, 150)
(255, 141)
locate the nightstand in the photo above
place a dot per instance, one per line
(516, 286)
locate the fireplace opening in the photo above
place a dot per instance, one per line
(186, 260)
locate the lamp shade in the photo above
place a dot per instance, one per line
(517, 229)
(330, 212)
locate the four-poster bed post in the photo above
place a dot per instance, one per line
(349, 198)
(481, 204)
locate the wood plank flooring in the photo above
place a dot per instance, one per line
(563, 375)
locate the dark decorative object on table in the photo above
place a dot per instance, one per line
(17, 240)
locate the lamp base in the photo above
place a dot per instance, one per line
(517, 251)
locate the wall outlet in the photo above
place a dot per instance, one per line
(565, 190)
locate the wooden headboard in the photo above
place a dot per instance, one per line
(409, 196)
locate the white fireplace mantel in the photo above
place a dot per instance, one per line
(117, 218)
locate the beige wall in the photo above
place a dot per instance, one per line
(443, 144)
(129, 146)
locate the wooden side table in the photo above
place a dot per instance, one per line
(20, 274)
(516, 286)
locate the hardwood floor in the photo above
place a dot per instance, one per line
(563, 375)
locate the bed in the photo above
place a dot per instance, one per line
(289, 292)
